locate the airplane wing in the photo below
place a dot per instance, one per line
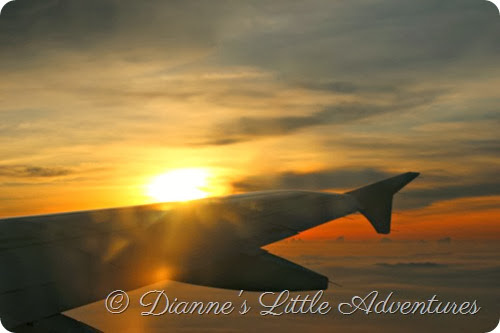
(53, 263)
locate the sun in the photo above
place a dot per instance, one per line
(179, 185)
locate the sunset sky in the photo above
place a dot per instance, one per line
(100, 98)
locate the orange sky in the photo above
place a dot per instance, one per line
(262, 97)
(447, 219)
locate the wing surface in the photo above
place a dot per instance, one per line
(54, 263)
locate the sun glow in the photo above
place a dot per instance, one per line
(179, 185)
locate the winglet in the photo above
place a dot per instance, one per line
(375, 200)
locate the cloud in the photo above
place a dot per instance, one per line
(318, 180)
(444, 240)
(24, 171)
(110, 27)
(416, 198)
(405, 265)
(247, 128)
(403, 37)
(444, 147)
(410, 198)
(346, 87)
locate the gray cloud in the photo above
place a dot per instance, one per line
(351, 178)
(345, 87)
(409, 265)
(248, 128)
(319, 180)
(318, 39)
(23, 171)
(134, 31)
(424, 197)
(445, 147)
(444, 240)
(382, 38)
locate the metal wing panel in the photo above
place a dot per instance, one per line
(260, 272)
(54, 263)
(57, 262)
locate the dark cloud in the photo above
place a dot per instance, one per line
(403, 36)
(314, 40)
(352, 178)
(332, 86)
(405, 265)
(319, 180)
(22, 171)
(416, 198)
(345, 87)
(431, 254)
(248, 128)
(444, 147)
(135, 31)
(444, 240)
(483, 146)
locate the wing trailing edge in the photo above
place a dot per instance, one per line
(261, 272)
